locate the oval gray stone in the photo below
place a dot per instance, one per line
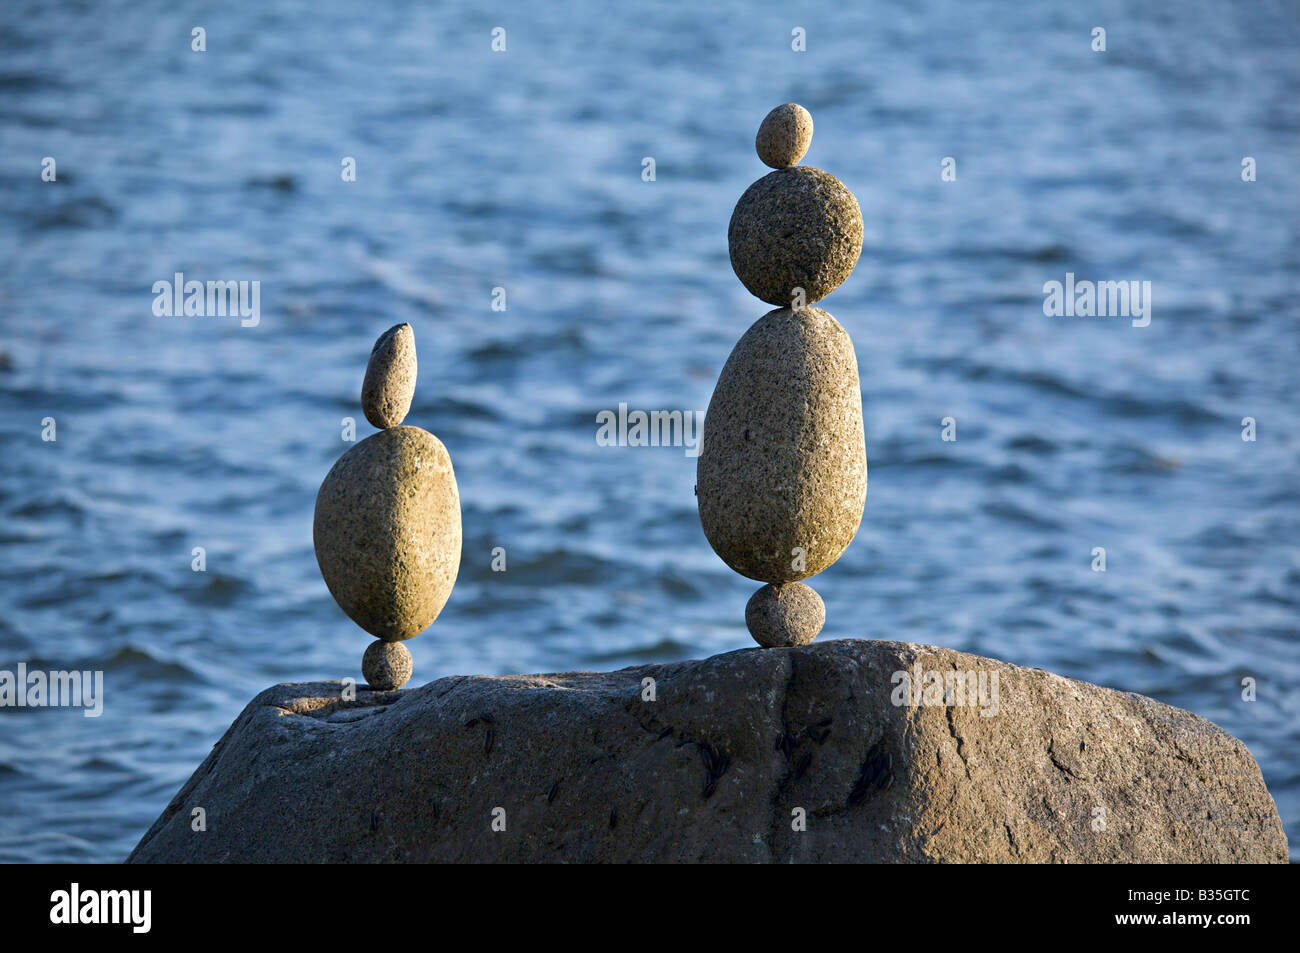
(785, 616)
(795, 228)
(387, 531)
(389, 384)
(386, 665)
(781, 479)
(784, 136)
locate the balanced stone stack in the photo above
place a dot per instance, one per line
(387, 524)
(782, 473)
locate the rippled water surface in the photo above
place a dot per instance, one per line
(522, 170)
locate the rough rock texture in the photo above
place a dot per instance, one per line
(584, 769)
(795, 228)
(783, 461)
(387, 531)
(782, 616)
(784, 136)
(386, 665)
(389, 384)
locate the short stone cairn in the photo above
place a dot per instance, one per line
(387, 525)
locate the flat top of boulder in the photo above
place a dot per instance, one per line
(721, 760)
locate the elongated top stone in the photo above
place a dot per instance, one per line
(390, 378)
(784, 136)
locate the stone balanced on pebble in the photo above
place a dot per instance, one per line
(387, 524)
(782, 474)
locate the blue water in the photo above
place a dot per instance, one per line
(522, 170)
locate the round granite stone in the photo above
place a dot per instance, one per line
(797, 228)
(785, 616)
(386, 665)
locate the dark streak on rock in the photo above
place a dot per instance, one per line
(715, 766)
(874, 773)
(802, 766)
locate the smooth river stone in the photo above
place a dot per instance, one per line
(785, 616)
(784, 136)
(795, 228)
(387, 531)
(783, 466)
(386, 665)
(389, 384)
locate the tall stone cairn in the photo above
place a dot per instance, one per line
(781, 478)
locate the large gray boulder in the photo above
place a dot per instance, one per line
(724, 763)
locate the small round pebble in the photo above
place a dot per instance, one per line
(390, 377)
(785, 616)
(784, 136)
(386, 665)
(795, 228)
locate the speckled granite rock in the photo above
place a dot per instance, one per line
(719, 765)
(390, 377)
(387, 531)
(783, 462)
(782, 616)
(386, 665)
(784, 136)
(795, 228)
